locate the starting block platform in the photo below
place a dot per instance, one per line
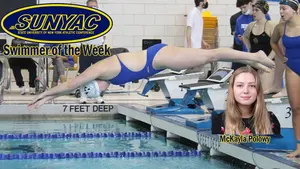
(180, 102)
(179, 125)
(169, 82)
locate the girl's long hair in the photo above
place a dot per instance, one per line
(233, 115)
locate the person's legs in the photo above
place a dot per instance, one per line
(283, 92)
(95, 59)
(60, 69)
(293, 91)
(266, 79)
(31, 67)
(278, 77)
(67, 65)
(176, 58)
(15, 65)
(84, 63)
(55, 76)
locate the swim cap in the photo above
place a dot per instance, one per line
(91, 90)
(262, 5)
(294, 4)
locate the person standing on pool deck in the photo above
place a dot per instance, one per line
(127, 67)
(257, 36)
(279, 86)
(233, 19)
(87, 61)
(241, 25)
(194, 31)
(289, 31)
(194, 27)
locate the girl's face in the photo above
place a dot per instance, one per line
(245, 90)
(286, 12)
(258, 14)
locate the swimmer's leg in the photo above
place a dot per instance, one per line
(293, 90)
(184, 58)
(278, 77)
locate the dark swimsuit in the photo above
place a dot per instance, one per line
(292, 51)
(260, 42)
(127, 75)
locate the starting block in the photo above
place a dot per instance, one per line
(180, 102)
(187, 105)
(202, 123)
(213, 90)
(282, 109)
(169, 82)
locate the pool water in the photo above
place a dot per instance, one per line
(157, 142)
(58, 126)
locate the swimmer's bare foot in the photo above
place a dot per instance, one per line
(263, 59)
(260, 66)
(296, 153)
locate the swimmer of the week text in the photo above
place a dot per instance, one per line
(67, 50)
(237, 139)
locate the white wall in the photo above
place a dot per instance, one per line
(137, 19)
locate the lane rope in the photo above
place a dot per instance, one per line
(75, 135)
(117, 154)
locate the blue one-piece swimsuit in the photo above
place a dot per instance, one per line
(292, 46)
(127, 75)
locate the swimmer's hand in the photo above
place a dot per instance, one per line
(39, 101)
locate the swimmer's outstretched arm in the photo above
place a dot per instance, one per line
(90, 74)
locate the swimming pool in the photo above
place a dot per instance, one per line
(154, 143)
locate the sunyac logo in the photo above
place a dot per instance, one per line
(56, 23)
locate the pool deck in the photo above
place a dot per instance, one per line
(133, 106)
